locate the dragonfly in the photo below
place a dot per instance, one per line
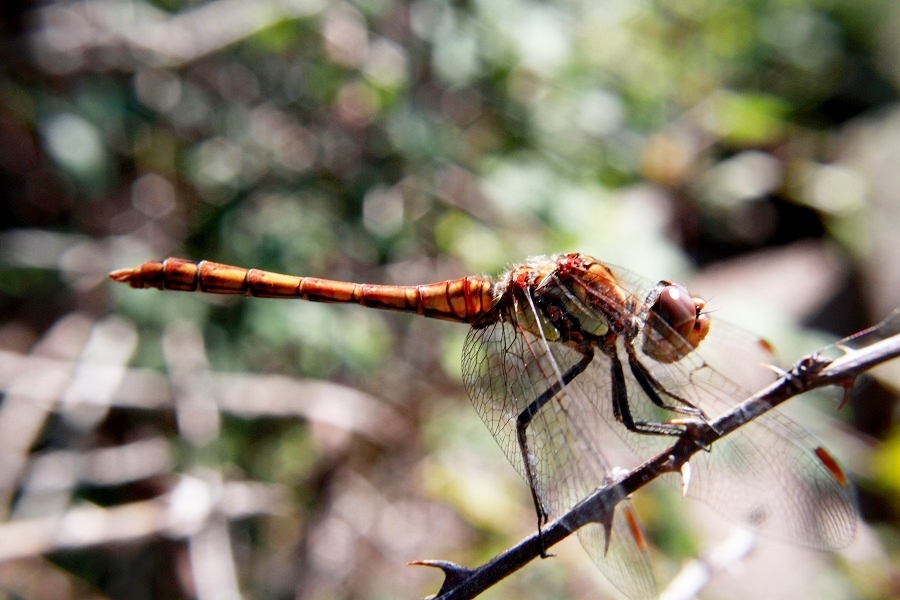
(573, 363)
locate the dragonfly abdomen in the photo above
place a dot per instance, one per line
(462, 300)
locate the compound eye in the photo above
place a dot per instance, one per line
(676, 323)
(676, 308)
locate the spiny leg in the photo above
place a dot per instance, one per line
(621, 408)
(524, 420)
(652, 388)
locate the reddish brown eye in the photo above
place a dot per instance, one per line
(675, 323)
(675, 307)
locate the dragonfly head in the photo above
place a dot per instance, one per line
(676, 323)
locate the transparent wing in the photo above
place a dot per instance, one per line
(505, 369)
(626, 562)
(771, 475)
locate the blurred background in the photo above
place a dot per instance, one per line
(164, 445)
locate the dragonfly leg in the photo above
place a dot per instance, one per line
(621, 407)
(653, 388)
(524, 420)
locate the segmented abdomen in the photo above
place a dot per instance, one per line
(463, 300)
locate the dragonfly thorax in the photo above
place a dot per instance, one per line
(543, 299)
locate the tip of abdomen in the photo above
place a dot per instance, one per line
(129, 276)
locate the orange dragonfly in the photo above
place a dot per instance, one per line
(569, 361)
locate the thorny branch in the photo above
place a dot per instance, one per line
(860, 352)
